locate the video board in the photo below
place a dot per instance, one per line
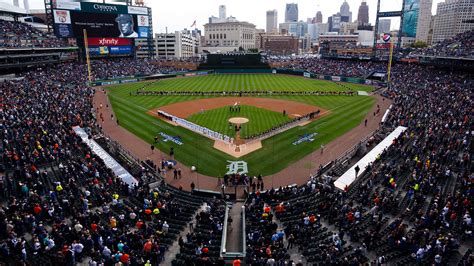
(410, 17)
(99, 20)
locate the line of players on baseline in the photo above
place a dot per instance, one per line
(141, 92)
(286, 124)
(236, 108)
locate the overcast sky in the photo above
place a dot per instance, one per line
(180, 14)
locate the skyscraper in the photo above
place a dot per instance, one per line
(222, 11)
(291, 12)
(272, 21)
(452, 17)
(384, 26)
(424, 20)
(319, 17)
(363, 16)
(346, 14)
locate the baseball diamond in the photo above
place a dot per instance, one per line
(340, 111)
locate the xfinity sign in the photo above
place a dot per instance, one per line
(109, 41)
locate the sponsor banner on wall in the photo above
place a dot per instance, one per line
(120, 49)
(109, 41)
(142, 32)
(101, 50)
(307, 74)
(128, 80)
(62, 17)
(137, 10)
(63, 30)
(335, 78)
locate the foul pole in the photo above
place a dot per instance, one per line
(88, 61)
(390, 62)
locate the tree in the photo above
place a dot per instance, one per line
(419, 44)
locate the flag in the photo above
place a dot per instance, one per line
(193, 25)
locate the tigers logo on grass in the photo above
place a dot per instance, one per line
(235, 167)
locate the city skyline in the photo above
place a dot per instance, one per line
(181, 14)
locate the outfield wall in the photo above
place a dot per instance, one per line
(285, 71)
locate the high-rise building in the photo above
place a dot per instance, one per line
(291, 12)
(222, 16)
(452, 17)
(424, 20)
(346, 14)
(334, 22)
(384, 26)
(316, 29)
(298, 29)
(222, 11)
(230, 35)
(180, 44)
(363, 15)
(272, 21)
(319, 17)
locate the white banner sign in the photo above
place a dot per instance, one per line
(68, 5)
(137, 10)
(110, 162)
(197, 128)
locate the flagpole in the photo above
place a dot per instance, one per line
(86, 44)
(166, 44)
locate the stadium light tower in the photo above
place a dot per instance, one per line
(388, 14)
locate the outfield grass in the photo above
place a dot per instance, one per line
(260, 120)
(277, 152)
(250, 82)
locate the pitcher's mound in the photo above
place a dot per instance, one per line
(238, 120)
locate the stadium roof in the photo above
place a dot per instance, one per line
(11, 9)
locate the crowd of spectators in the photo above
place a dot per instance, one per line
(21, 35)
(126, 67)
(413, 204)
(461, 45)
(333, 67)
(62, 205)
(202, 243)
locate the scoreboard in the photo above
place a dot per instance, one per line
(100, 20)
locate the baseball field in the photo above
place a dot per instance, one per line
(339, 114)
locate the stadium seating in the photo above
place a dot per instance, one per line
(461, 45)
(22, 35)
(62, 205)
